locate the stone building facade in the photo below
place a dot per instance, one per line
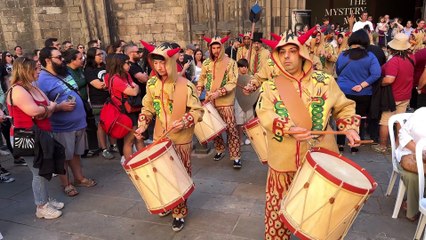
(29, 22)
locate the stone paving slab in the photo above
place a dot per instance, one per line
(226, 204)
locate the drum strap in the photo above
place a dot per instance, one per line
(180, 96)
(292, 101)
(219, 68)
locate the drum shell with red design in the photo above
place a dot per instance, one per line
(257, 135)
(325, 196)
(211, 126)
(159, 176)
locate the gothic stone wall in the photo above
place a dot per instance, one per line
(29, 22)
(151, 20)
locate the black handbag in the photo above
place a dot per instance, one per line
(23, 139)
(23, 142)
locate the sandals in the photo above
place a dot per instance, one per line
(86, 182)
(379, 148)
(404, 205)
(70, 191)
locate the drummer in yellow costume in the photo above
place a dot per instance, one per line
(242, 51)
(218, 77)
(173, 100)
(259, 55)
(328, 55)
(321, 96)
(315, 47)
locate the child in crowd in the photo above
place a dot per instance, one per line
(244, 103)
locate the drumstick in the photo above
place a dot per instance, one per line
(364, 141)
(330, 132)
(125, 127)
(317, 132)
(166, 133)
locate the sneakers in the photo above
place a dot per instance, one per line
(122, 160)
(6, 179)
(47, 212)
(113, 148)
(20, 162)
(91, 153)
(55, 204)
(4, 172)
(178, 224)
(247, 141)
(4, 153)
(163, 214)
(218, 156)
(341, 148)
(237, 164)
(106, 154)
(354, 150)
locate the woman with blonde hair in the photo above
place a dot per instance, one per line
(28, 105)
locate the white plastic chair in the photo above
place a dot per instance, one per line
(422, 200)
(400, 118)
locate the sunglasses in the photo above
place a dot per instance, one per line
(58, 57)
(8, 55)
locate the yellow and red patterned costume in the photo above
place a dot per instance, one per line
(258, 60)
(158, 102)
(322, 97)
(224, 104)
(242, 51)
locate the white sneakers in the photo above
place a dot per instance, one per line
(50, 210)
(55, 204)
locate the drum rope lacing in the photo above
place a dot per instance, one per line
(210, 115)
(157, 196)
(357, 209)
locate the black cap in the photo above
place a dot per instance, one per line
(257, 36)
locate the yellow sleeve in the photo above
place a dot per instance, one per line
(344, 109)
(272, 113)
(334, 55)
(232, 75)
(263, 74)
(196, 111)
(148, 111)
(239, 53)
(203, 76)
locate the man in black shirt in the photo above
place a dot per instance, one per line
(231, 51)
(136, 71)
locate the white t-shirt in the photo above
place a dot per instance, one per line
(360, 25)
(414, 129)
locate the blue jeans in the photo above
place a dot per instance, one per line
(39, 184)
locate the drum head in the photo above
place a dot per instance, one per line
(150, 152)
(342, 170)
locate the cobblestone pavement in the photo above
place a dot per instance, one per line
(226, 204)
